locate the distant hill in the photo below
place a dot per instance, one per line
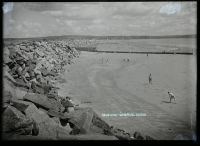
(102, 37)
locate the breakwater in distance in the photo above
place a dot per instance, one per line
(93, 49)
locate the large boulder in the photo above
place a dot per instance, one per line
(10, 81)
(23, 48)
(81, 122)
(21, 105)
(20, 93)
(66, 103)
(16, 122)
(52, 92)
(44, 102)
(6, 58)
(48, 127)
(7, 75)
(8, 90)
(7, 96)
(85, 120)
(37, 88)
(138, 136)
(121, 134)
(149, 138)
(44, 72)
(42, 119)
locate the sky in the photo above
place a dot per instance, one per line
(38, 19)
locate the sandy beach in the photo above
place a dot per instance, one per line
(115, 87)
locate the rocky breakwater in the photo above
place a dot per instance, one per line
(32, 107)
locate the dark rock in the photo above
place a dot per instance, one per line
(64, 122)
(14, 82)
(23, 47)
(57, 120)
(20, 104)
(37, 88)
(6, 59)
(44, 72)
(8, 90)
(41, 88)
(149, 138)
(85, 120)
(81, 121)
(66, 103)
(15, 122)
(21, 82)
(11, 64)
(53, 73)
(52, 93)
(31, 73)
(8, 76)
(35, 129)
(138, 136)
(43, 101)
(120, 134)
(47, 126)
(98, 122)
(7, 96)
(60, 115)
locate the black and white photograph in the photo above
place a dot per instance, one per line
(99, 70)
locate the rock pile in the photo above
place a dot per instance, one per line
(32, 108)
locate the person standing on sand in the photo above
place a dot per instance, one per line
(150, 79)
(171, 96)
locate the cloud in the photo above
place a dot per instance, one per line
(79, 12)
(97, 21)
(53, 13)
(7, 7)
(170, 8)
(70, 22)
(100, 18)
(132, 9)
(11, 21)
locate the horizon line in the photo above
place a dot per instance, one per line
(104, 36)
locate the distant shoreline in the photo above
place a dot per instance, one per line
(103, 37)
(139, 52)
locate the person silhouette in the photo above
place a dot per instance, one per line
(171, 96)
(150, 79)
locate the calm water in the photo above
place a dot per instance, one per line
(179, 44)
